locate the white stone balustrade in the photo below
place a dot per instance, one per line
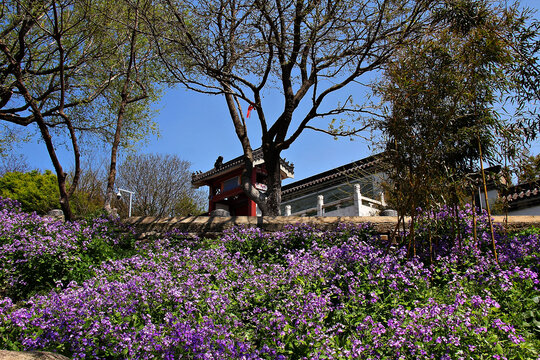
(362, 206)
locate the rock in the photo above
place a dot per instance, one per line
(56, 214)
(220, 213)
(388, 212)
(30, 355)
(114, 213)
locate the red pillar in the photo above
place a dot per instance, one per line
(252, 204)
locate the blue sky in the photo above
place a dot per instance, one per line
(197, 128)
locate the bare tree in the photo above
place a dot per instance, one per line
(88, 198)
(306, 50)
(161, 183)
(13, 163)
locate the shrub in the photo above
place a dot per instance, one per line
(35, 191)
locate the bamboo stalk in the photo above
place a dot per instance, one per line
(475, 236)
(487, 202)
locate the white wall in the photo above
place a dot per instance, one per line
(350, 211)
(492, 197)
(534, 210)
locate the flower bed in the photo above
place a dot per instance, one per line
(297, 294)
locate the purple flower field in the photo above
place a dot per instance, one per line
(297, 294)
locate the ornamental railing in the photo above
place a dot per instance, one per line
(355, 205)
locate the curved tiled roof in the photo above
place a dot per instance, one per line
(199, 177)
(525, 192)
(334, 174)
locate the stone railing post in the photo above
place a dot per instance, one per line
(320, 203)
(357, 199)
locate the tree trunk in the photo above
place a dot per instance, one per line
(473, 203)
(111, 178)
(114, 155)
(64, 198)
(273, 183)
(60, 174)
(269, 202)
(247, 184)
(125, 100)
(46, 136)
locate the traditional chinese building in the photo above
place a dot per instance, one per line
(523, 199)
(224, 182)
(352, 189)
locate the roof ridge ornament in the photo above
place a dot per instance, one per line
(219, 163)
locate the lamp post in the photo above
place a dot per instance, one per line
(131, 193)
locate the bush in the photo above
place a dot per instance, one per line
(35, 191)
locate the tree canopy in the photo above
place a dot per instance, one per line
(443, 93)
(307, 51)
(89, 67)
(529, 169)
(63, 65)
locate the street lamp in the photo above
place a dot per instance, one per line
(131, 193)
